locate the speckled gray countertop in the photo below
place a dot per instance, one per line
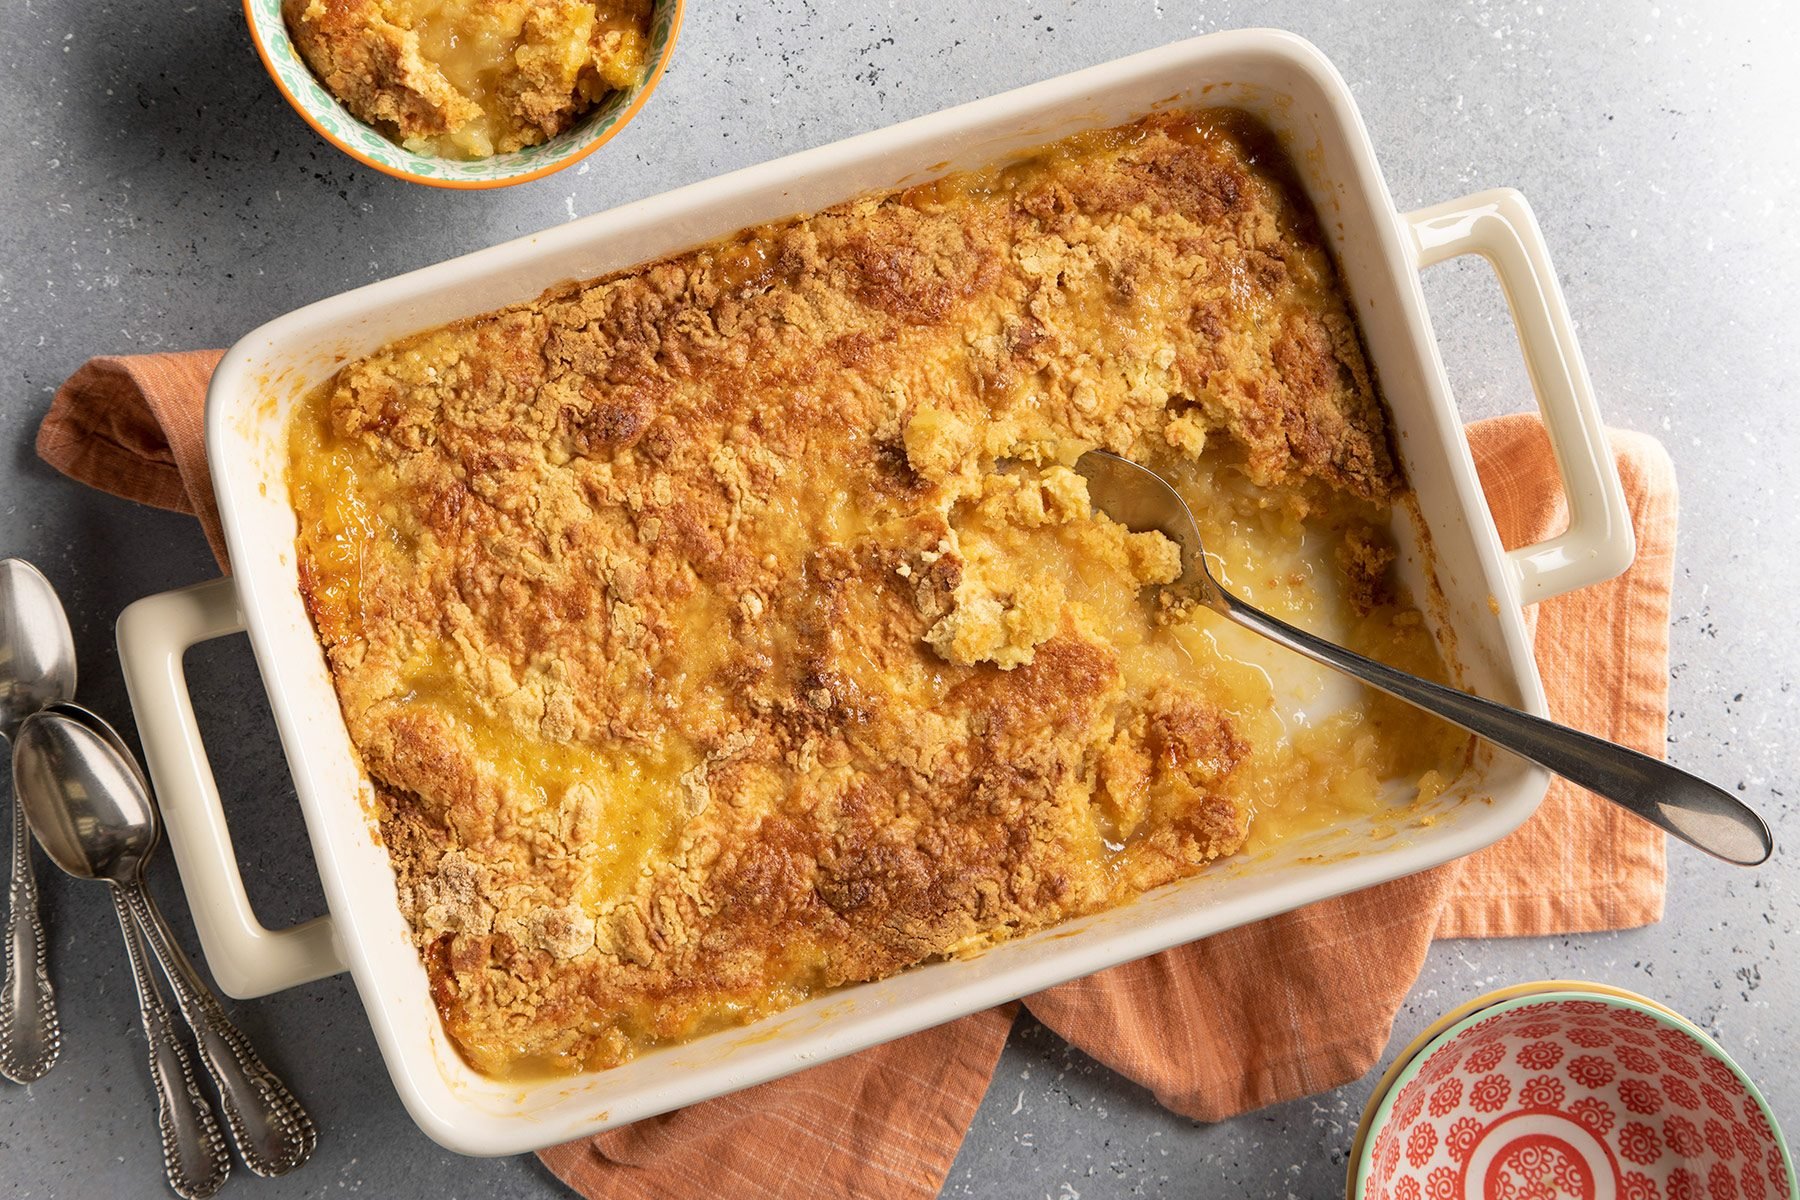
(157, 194)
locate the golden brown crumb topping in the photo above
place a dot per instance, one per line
(470, 78)
(703, 656)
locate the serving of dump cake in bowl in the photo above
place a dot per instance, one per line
(466, 93)
(732, 628)
(470, 78)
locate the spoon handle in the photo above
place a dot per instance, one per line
(271, 1130)
(1704, 816)
(194, 1154)
(30, 1033)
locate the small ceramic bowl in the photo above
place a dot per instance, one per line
(333, 122)
(1580, 1092)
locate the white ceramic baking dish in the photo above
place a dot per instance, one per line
(1280, 78)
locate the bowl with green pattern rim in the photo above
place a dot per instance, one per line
(367, 145)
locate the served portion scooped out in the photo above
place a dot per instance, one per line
(471, 78)
(732, 628)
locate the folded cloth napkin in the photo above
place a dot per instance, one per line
(1288, 1006)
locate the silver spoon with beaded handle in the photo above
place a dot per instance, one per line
(1704, 816)
(94, 816)
(196, 1160)
(273, 1133)
(37, 667)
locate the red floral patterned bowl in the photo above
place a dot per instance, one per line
(1571, 1095)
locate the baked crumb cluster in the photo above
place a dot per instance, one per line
(733, 627)
(471, 78)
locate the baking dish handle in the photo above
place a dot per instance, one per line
(1599, 543)
(246, 958)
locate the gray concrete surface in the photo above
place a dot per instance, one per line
(156, 193)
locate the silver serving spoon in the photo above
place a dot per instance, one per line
(37, 667)
(1706, 817)
(90, 807)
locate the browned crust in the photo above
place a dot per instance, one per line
(711, 512)
(1364, 558)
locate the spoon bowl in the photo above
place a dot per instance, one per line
(37, 648)
(84, 802)
(99, 725)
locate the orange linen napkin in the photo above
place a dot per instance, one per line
(1289, 1006)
